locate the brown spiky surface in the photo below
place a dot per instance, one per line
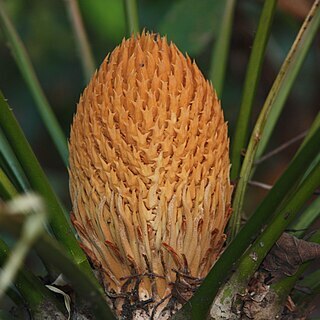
(149, 174)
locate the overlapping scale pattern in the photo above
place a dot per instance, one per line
(149, 170)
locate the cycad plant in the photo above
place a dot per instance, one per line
(157, 228)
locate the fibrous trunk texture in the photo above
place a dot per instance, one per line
(149, 176)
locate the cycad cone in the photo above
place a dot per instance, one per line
(149, 176)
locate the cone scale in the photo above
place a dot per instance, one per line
(149, 176)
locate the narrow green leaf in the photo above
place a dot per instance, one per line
(6, 315)
(29, 286)
(12, 163)
(21, 310)
(7, 192)
(15, 297)
(306, 219)
(39, 183)
(132, 17)
(282, 219)
(269, 104)
(221, 48)
(253, 257)
(7, 189)
(51, 252)
(85, 52)
(301, 47)
(35, 218)
(250, 85)
(23, 61)
(314, 126)
(311, 282)
(198, 306)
